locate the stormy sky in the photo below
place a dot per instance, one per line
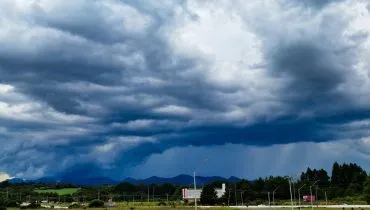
(138, 88)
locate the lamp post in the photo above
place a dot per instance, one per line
(311, 193)
(268, 195)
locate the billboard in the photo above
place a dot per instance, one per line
(191, 193)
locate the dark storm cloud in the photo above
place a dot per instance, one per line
(318, 3)
(315, 74)
(110, 83)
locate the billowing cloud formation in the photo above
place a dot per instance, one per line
(109, 83)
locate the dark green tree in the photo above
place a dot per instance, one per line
(125, 187)
(335, 174)
(208, 195)
(366, 190)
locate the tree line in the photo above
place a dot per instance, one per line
(348, 182)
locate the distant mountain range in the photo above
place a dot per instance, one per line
(181, 180)
(93, 181)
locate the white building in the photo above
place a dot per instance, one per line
(191, 194)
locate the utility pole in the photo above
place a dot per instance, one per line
(167, 198)
(311, 197)
(311, 193)
(153, 192)
(326, 199)
(148, 194)
(290, 189)
(294, 198)
(195, 191)
(273, 196)
(299, 196)
(268, 195)
(228, 201)
(241, 197)
(236, 202)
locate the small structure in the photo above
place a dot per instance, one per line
(110, 203)
(191, 194)
(308, 198)
(25, 204)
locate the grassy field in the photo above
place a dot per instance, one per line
(64, 191)
(190, 208)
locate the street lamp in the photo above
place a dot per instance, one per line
(273, 196)
(311, 192)
(299, 195)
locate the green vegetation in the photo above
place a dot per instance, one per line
(208, 195)
(96, 204)
(64, 191)
(347, 183)
(367, 190)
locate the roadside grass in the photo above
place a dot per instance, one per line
(211, 208)
(122, 207)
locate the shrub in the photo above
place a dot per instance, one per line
(172, 204)
(12, 204)
(74, 206)
(33, 205)
(2, 208)
(162, 203)
(96, 204)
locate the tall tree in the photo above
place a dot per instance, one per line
(335, 174)
(208, 195)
